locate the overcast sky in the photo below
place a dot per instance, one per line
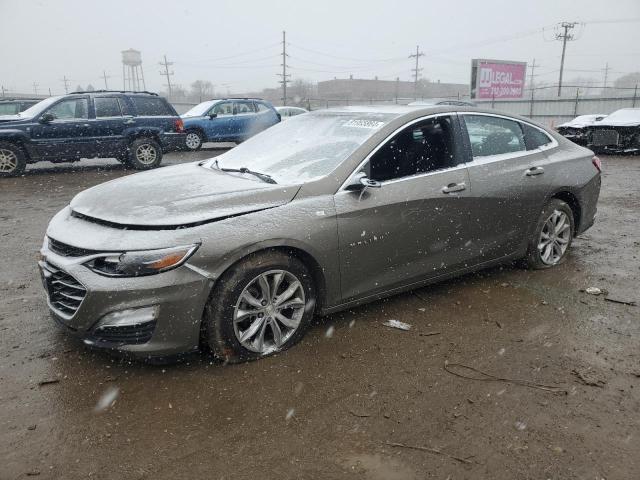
(235, 44)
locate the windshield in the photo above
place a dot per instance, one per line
(306, 147)
(39, 107)
(199, 109)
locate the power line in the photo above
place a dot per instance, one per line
(166, 73)
(284, 73)
(565, 37)
(416, 71)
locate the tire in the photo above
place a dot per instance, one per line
(13, 160)
(194, 140)
(546, 251)
(144, 153)
(224, 336)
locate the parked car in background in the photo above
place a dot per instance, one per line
(617, 133)
(576, 130)
(227, 120)
(442, 101)
(288, 112)
(134, 127)
(11, 106)
(323, 212)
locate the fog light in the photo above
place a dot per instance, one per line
(130, 317)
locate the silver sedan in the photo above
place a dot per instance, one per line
(326, 211)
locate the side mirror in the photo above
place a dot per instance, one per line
(360, 181)
(47, 117)
(212, 116)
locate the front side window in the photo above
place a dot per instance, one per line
(151, 106)
(244, 108)
(534, 137)
(493, 135)
(222, 108)
(70, 109)
(8, 108)
(107, 107)
(425, 146)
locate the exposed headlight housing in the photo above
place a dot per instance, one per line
(141, 263)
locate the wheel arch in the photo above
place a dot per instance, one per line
(20, 140)
(574, 204)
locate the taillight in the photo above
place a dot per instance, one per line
(178, 125)
(597, 163)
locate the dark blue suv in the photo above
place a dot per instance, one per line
(227, 120)
(134, 127)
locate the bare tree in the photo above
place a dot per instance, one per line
(201, 89)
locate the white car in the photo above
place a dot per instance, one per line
(576, 129)
(287, 112)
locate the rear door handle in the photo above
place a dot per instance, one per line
(454, 187)
(533, 171)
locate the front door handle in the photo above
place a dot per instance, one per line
(454, 187)
(129, 121)
(533, 171)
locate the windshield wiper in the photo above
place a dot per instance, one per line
(262, 176)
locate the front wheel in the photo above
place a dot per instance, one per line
(12, 159)
(552, 237)
(193, 140)
(144, 153)
(261, 306)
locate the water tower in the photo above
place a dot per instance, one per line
(132, 70)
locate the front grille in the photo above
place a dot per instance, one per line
(602, 137)
(68, 250)
(65, 292)
(130, 334)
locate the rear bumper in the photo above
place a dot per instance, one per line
(588, 198)
(173, 141)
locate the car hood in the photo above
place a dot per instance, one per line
(178, 196)
(617, 123)
(581, 123)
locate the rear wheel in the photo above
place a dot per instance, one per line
(553, 236)
(144, 153)
(261, 306)
(13, 160)
(194, 140)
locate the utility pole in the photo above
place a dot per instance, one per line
(35, 88)
(65, 80)
(533, 69)
(416, 71)
(105, 77)
(3, 90)
(606, 74)
(166, 73)
(284, 73)
(565, 37)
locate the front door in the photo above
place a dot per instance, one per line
(220, 125)
(67, 135)
(413, 226)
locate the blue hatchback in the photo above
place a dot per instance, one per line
(227, 120)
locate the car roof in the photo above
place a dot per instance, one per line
(123, 92)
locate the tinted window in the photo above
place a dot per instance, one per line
(244, 108)
(107, 107)
(493, 135)
(423, 147)
(262, 107)
(534, 138)
(70, 109)
(150, 106)
(223, 108)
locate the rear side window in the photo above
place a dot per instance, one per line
(8, 108)
(534, 138)
(493, 135)
(262, 108)
(107, 107)
(243, 108)
(151, 107)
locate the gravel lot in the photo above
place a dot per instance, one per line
(338, 406)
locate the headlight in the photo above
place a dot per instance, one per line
(140, 263)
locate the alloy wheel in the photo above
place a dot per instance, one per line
(554, 237)
(8, 161)
(193, 140)
(269, 311)
(146, 154)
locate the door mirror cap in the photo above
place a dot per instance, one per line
(360, 181)
(212, 116)
(47, 118)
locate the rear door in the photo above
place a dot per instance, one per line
(413, 226)
(245, 121)
(110, 125)
(507, 183)
(67, 136)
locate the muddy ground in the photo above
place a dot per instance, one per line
(332, 407)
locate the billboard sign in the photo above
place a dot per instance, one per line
(497, 79)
